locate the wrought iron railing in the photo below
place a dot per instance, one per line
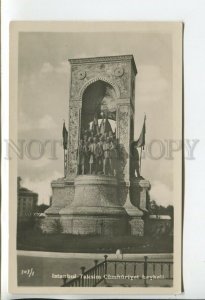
(89, 278)
(144, 270)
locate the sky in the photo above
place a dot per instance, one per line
(43, 97)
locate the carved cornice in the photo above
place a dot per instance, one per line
(105, 59)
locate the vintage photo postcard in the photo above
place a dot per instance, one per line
(95, 153)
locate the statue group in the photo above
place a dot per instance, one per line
(98, 151)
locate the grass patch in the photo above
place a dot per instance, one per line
(34, 240)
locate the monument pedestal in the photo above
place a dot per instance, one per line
(139, 193)
(95, 209)
(102, 87)
(136, 204)
(62, 195)
(98, 205)
(136, 222)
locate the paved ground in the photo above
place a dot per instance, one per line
(136, 283)
(42, 268)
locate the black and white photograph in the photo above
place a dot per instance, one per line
(95, 155)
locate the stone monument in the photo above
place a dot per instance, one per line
(100, 194)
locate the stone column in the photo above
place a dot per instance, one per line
(73, 138)
(123, 124)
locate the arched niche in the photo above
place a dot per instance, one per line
(98, 99)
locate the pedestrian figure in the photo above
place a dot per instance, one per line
(119, 254)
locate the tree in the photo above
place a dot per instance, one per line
(41, 208)
(170, 211)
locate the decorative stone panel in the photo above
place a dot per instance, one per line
(73, 132)
(123, 119)
(114, 68)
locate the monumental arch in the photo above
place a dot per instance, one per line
(100, 194)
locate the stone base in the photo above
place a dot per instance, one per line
(95, 209)
(139, 193)
(90, 225)
(62, 195)
(51, 224)
(97, 205)
(137, 226)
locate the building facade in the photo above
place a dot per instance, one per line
(27, 202)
